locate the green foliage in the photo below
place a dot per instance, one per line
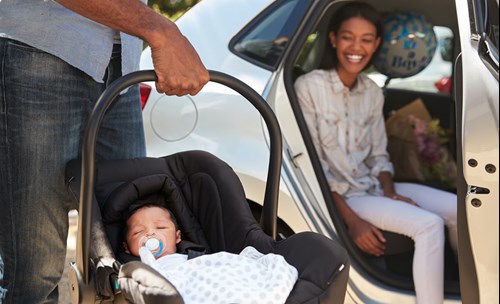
(306, 49)
(172, 9)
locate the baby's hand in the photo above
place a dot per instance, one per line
(146, 256)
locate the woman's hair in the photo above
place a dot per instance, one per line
(346, 12)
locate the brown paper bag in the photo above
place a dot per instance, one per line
(402, 145)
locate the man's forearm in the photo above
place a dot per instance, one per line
(178, 67)
(129, 16)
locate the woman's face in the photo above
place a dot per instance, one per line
(150, 222)
(355, 43)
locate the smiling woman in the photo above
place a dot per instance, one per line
(355, 41)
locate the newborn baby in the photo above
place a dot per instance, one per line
(249, 277)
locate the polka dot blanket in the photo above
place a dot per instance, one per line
(220, 278)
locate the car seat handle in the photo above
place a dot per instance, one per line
(106, 100)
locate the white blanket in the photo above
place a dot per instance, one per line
(250, 277)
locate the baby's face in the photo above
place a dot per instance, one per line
(152, 222)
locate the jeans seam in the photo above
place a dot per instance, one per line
(8, 176)
(2, 80)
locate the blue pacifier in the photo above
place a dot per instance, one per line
(154, 245)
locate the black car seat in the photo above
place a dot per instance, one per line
(208, 200)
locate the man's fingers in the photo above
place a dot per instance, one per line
(175, 86)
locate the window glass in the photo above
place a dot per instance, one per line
(436, 77)
(490, 27)
(267, 38)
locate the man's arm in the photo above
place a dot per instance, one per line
(176, 63)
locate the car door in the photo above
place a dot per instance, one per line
(476, 85)
(476, 93)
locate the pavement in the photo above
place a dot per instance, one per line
(70, 257)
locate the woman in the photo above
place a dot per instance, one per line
(343, 110)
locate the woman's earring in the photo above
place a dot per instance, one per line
(334, 45)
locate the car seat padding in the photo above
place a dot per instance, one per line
(201, 194)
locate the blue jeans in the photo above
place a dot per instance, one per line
(44, 104)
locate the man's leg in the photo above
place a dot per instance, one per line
(44, 102)
(121, 135)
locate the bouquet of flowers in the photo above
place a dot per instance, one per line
(437, 163)
(417, 146)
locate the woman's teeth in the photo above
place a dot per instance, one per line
(354, 58)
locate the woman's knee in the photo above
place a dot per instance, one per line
(432, 224)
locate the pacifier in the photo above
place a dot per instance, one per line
(152, 244)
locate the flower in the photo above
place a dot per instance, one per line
(432, 148)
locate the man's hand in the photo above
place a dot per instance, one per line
(367, 237)
(177, 65)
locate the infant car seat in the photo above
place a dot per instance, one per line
(209, 203)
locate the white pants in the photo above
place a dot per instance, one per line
(424, 224)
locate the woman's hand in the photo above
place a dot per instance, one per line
(387, 184)
(398, 197)
(367, 237)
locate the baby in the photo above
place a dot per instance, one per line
(153, 227)
(152, 233)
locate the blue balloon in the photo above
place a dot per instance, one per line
(408, 45)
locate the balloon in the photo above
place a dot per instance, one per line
(408, 45)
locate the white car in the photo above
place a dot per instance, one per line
(267, 44)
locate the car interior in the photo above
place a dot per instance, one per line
(394, 268)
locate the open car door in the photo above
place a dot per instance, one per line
(476, 89)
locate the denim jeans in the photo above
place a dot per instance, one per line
(44, 104)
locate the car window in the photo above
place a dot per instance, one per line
(492, 22)
(265, 39)
(488, 47)
(435, 78)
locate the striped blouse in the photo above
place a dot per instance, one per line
(348, 130)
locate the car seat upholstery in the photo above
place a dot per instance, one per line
(209, 203)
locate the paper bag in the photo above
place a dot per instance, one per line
(402, 143)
